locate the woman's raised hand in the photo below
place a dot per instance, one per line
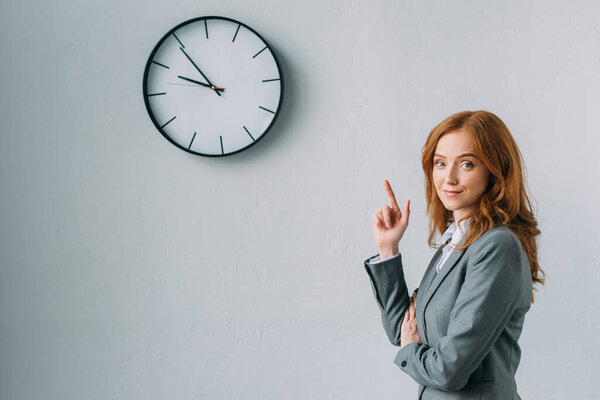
(389, 223)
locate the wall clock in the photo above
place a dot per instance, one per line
(212, 86)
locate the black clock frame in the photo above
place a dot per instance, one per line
(145, 86)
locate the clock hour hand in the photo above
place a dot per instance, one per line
(204, 76)
(200, 83)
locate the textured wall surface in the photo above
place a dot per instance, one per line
(130, 269)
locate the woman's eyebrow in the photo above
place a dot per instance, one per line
(460, 155)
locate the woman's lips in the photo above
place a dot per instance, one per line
(451, 194)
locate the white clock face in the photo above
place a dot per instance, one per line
(212, 86)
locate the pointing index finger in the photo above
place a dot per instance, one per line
(390, 194)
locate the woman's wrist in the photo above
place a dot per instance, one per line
(388, 252)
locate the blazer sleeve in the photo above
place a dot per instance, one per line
(389, 287)
(483, 307)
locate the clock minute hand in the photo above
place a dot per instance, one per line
(204, 76)
(200, 83)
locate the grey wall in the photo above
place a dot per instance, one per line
(133, 270)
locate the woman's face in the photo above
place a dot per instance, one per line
(460, 178)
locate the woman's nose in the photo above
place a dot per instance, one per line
(452, 176)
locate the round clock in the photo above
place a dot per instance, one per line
(212, 86)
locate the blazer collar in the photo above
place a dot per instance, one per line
(437, 279)
(422, 297)
(432, 280)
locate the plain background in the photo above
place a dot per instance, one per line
(133, 270)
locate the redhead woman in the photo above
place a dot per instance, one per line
(458, 333)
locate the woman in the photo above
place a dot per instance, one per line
(458, 336)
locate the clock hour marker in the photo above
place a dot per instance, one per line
(192, 140)
(271, 80)
(178, 40)
(266, 109)
(156, 94)
(248, 133)
(162, 65)
(221, 139)
(167, 123)
(263, 49)
(236, 32)
(206, 28)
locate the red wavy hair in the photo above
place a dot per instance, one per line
(505, 200)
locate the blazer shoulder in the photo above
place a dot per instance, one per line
(500, 236)
(499, 251)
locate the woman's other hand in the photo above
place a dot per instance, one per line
(389, 224)
(409, 333)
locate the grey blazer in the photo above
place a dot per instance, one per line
(469, 316)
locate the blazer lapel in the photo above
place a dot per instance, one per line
(437, 280)
(431, 267)
(423, 288)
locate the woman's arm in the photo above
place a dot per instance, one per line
(387, 277)
(483, 307)
(389, 288)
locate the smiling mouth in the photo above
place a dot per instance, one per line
(451, 194)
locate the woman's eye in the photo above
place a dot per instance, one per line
(441, 164)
